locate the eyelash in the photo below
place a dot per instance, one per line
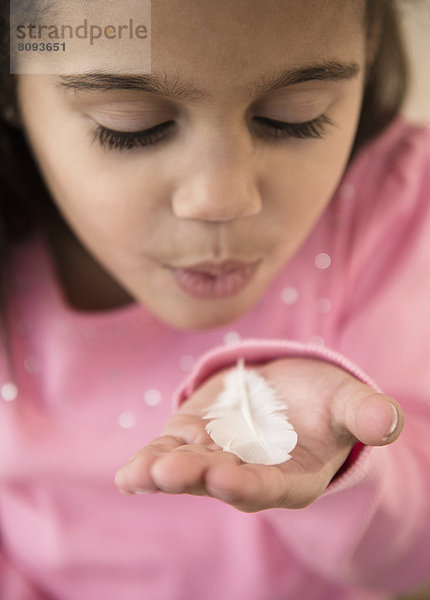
(310, 129)
(128, 140)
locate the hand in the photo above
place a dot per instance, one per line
(329, 409)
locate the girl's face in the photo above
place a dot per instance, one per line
(239, 168)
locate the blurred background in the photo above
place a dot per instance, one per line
(416, 24)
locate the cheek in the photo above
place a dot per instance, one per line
(308, 178)
(109, 212)
(303, 182)
(317, 170)
(100, 195)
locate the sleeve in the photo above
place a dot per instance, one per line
(372, 525)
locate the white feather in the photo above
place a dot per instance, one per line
(249, 420)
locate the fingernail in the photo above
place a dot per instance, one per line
(395, 421)
(143, 491)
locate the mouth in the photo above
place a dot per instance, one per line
(215, 280)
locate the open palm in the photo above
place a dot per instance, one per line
(329, 409)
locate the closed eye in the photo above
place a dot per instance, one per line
(268, 128)
(309, 129)
(127, 140)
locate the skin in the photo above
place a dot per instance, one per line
(330, 411)
(217, 187)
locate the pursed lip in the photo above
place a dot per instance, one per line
(214, 280)
(215, 269)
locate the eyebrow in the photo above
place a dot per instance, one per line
(173, 87)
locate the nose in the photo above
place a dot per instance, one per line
(219, 186)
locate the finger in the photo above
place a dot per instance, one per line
(252, 488)
(183, 470)
(135, 476)
(190, 428)
(371, 417)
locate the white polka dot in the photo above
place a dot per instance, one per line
(9, 391)
(232, 337)
(289, 295)
(317, 340)
(152, 397)
(347, 191)
(126, 420)
(322, 260)
(323, 305)
(31, 364)
(186, 363)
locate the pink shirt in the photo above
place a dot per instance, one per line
(92, 388)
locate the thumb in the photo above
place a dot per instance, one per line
(373, 418)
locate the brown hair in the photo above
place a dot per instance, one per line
(24, 199)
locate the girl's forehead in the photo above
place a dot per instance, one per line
(210, 42)
(293, 22)
(221, 11)
(248, 38)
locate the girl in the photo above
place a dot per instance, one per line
(254, 197)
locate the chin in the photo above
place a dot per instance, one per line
(211, 318)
